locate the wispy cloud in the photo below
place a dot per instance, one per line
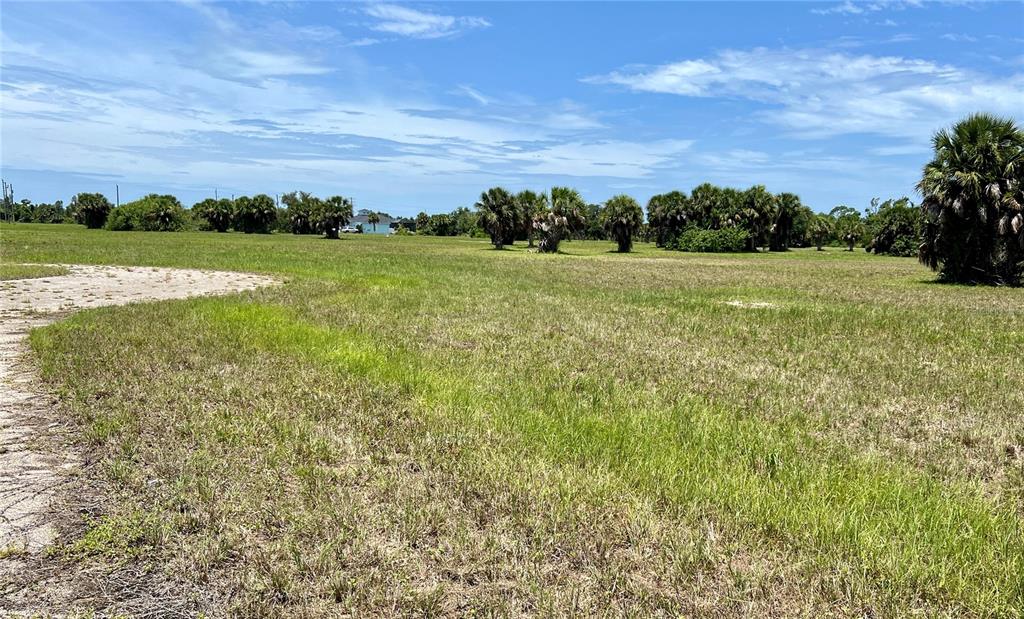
(859, 7)
(473, 94)
(817, 93)
(404, 21)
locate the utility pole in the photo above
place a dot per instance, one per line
(215, 196)
(117, 189)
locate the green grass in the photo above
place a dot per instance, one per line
(426, 426)
(28, 271)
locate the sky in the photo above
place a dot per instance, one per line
(409, 107)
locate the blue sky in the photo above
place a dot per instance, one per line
(408, 107)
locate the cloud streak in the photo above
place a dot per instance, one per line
(407, 22)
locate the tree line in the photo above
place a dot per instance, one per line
(708, 219)
(969, 227)
(303, 213)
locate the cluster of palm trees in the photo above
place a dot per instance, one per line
(308, 214)
(768, 220)
(249, 215)
(550, 218)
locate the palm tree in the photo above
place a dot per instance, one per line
(335, 213)
(373, 218)
(302, 207)
(974, 222)
(758, 209)
(820, 229)
(667, 215)
(565, 217)
(786, 207)
(621, 218)
(497, 210)
(529, 205)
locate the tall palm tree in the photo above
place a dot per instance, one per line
(373, 218)
(974, 222)
(621, 218)
(497, 210)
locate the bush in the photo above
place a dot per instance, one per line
(152, 213)
(712, 241)
(896, 228)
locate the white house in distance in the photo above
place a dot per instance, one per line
(362, 216)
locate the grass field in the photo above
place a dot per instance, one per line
(26, 271)
(425, 425)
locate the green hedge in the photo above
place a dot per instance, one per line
(714, 241)
(153, 212)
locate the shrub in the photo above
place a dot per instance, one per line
(896, 226)
(713, 241)
(151, 213)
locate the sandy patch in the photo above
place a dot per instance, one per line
(30, 474)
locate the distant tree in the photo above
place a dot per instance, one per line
(668, 214)
(256, 214)
(894, 227)
(848, 226)
(564, 217)
(529, 205)
(422, 222)
(498, 215)
(756, 214)
(712, 207)
(335, 213)
(373, 219)
(973, 202)
(302, 207)
(621, 217)
(787, 205)
(153, 212)
(218, 213)
(820, 230)
(802, 219)
(593, 228)
(91, 209)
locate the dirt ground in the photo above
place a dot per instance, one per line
(33, 466)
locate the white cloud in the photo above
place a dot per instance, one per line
(404, 21)
(819, 93)
(252, 64)
(613, 158)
